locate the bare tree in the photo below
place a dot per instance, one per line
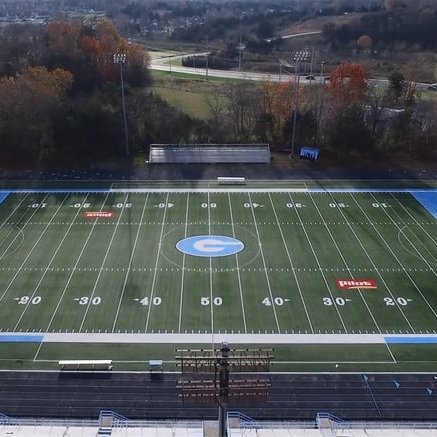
(243, 110)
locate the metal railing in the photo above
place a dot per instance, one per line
(247, 422)
(117, 421)
(338, 423)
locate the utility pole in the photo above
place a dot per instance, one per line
(206, 61)
(120, 59)
(240, 48)
(320, 104)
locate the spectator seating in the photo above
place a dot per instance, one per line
(209, 154)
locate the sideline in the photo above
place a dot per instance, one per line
(155, 338)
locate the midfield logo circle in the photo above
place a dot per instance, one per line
(210, 246)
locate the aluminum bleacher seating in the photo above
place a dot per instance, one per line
(209, 154)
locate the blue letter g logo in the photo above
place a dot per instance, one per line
(210, 246)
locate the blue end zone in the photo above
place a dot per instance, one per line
(3, 195)
(411, 340)
(21, 338)
(428, 199)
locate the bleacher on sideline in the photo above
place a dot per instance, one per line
(85, 364)
(209, 154)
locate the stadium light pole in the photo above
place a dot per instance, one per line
(120, 59)
(240, 48)
(300, 55)
(206, 59)
(293, 135)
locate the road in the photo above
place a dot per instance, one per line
(295, 35)
(167, 64)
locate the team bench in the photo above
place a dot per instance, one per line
(85, 364)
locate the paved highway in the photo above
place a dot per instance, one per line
(167, 64)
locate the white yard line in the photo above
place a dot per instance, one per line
(181, 298)
(73, 271)
(20, 232)
(130, 264)
(211, 297)
(334, 303)
(48, 265)
(158, 252)
(238, 268)
(100, 270)
(413, 282)
(415, 220)
(291, 265)
(13, 227)
(174, 338)
(419, 251)
(29, 252)
(101, 267)
(343, 259)
(53, 337)
(264, 264)
(374, 265)
(209, 189)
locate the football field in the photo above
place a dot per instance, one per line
(323, 276)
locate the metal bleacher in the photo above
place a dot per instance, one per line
(209, 154)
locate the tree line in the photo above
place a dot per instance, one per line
(347, 116)
(408, 22)
(60, 96)
(60, 105)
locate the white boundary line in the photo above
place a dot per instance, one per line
(218, 338)
(114, 232)
(209, 190)
(32, 295)
(29, 252)
(395, 257)
(334, 303)
(129, 265)
(205, 338)
(181, 298)
(291, 265)
(264, 264)
(158, 253)
(211, 296)
(73, 271)
(403, 267)
(257, 336)
(238, 268)
(343, 259)
(5, 221)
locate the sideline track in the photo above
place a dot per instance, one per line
(122, 338)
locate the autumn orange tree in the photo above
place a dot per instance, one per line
(347, 84)
(86, 49)
(347, 90)
(27, 104)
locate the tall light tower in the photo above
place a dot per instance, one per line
(299, 56)
(120, 59)
(240, 48)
